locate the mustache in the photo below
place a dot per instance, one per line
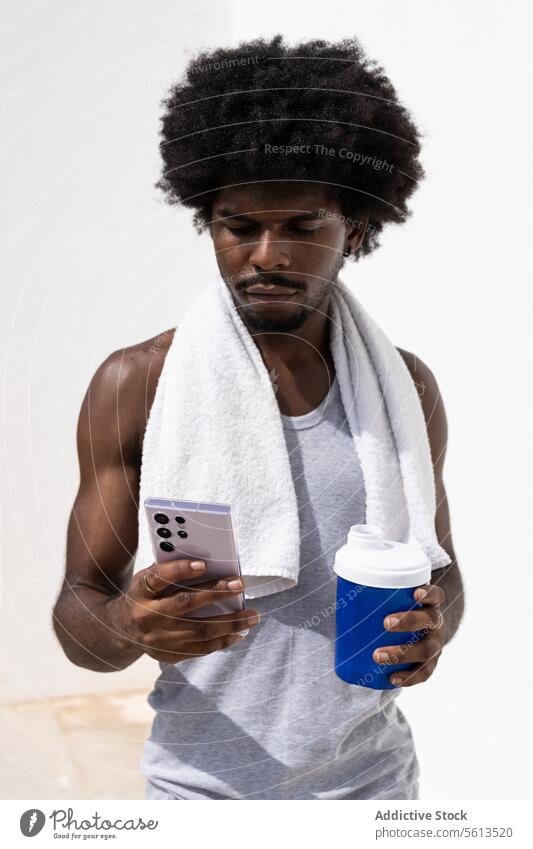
(269, 278)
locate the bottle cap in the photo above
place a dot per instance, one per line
(364, 536)
(370, 560)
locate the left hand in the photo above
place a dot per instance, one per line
(426, 652)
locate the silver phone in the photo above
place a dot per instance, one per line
(196, 530)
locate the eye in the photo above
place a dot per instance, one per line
(243, 229)
(302, 230)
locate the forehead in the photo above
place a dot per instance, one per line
(284, 198)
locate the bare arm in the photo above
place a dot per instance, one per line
(441, 600)
(449, 577)
(102, 530)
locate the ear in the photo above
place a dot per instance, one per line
(356, 234)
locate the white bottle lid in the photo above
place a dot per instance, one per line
(370, 560)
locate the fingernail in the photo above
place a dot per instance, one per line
(383, 657)
(421, 593)
(197, 565)
(395, 680)
(392, 621)
(254, 619)
(236, 584)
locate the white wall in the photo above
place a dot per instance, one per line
(92, 261)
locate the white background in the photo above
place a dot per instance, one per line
(92, 260)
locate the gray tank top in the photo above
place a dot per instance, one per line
(268, 718)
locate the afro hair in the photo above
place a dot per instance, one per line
(316, 112)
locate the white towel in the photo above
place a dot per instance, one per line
(215, 433)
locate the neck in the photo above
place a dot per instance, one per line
(301, 349)
(300, 363)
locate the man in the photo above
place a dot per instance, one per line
(293, 159)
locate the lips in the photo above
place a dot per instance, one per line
(273, 301)
(269, 291)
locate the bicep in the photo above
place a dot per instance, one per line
(437, 429)
(102, 528)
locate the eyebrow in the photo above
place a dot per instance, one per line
(227, 212)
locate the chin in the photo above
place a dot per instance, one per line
(274, 324)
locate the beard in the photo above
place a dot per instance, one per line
(275, 324)
(317, 298)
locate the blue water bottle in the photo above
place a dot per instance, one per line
(375, 577)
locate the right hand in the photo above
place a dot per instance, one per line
(155, 621)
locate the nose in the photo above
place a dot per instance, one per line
(269, 253)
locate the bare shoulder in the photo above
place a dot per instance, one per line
(120, 394)
(135, 370)
(432, 405)
(426, 384)
(140, 362)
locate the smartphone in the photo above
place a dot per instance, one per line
(196, 530)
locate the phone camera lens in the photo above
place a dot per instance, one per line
(164, 532)
(183, 534)
(166, 546)
(161, 518)
(180, 520)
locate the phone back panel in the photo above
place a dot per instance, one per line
(196, 530)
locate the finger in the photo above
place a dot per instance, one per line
(219, 589)
(421, 673)
(160, 576)
(208, 646)
(430, 594)
(414, 620)
(191, 650)
(185, 600)
(205, 629)
(188, 599)
(420, 652)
